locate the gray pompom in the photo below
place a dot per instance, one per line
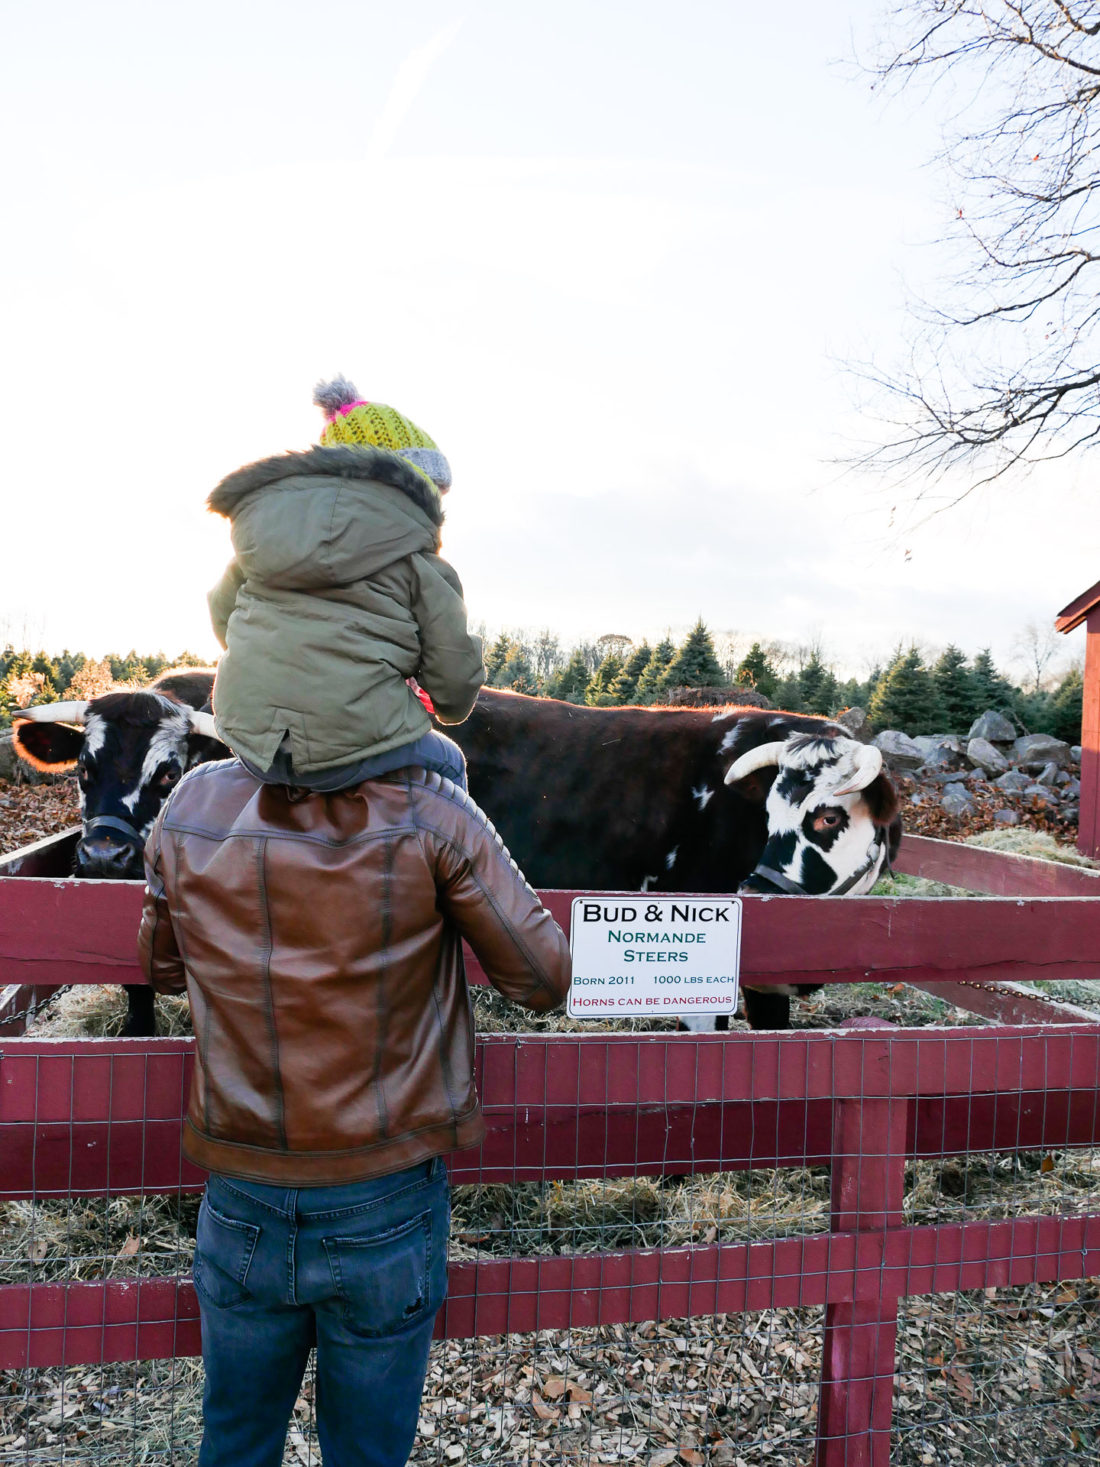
(330, 397)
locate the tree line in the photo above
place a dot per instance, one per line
(37, 677)
(907, 692)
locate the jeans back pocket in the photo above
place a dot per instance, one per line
(223, 1255)
(390, 1280)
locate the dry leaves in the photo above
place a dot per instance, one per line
(32, 812)
(932, 819)
(556, 1386)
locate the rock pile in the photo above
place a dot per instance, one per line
(990, 776)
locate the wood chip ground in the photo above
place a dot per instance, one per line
(986, 1379)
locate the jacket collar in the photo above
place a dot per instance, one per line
(340, 462)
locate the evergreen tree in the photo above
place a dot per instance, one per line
(756, 671)
(695, 665)
(571, 682)
(1035, 710)
(991, 690)
(68, 665)
(955, 690)
(788, 694)
(905, 697)
(497, 655)
(817, 686)
(626, 684)
(853, 694)
(600, 692)
(15, 663)
(49, 670)
(128, 669)
(517, 673)
(651, 678)
(1066, 708)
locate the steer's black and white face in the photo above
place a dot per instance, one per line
(831, 824)
(829, 810)
(130, 754)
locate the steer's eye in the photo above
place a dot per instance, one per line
(168, 776)
(827, 820)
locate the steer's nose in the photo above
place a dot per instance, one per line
(108, 856)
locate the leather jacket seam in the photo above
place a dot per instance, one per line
(444, 1068)
(203, 1056)
(299, 837)
(382, 1005)
(441, 1048)
(269, 997)
(390, 1142)
(159, 895)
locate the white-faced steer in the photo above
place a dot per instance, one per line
(129, 749)
(692, 800)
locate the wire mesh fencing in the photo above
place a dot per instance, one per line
(865, 1245)
(871, 1240)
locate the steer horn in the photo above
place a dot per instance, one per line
(53, 712)
(203, 723)
(73, 712)
(868, 767)
(759, 758)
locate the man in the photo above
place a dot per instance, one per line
(318, 937)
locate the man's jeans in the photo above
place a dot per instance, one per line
(358, 1271)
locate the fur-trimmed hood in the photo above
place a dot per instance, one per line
(339, 462)
(327, 517)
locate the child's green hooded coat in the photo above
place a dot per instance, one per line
(335, 596)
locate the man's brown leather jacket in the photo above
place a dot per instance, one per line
(318, 940)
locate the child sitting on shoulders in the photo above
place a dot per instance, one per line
(335, 597)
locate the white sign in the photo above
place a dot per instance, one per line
(648, 955)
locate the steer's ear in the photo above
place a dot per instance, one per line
(200, 749)
(755, 786)
(881, 799)
(49, 747)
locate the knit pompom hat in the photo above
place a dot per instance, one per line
(351, 420)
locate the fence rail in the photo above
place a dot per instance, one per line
(102, 1118)
(66, 931)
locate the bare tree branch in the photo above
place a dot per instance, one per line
(1004, 369)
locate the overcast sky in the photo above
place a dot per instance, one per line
(610, 255)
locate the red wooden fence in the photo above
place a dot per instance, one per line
(1086, 608)
(96, 1117)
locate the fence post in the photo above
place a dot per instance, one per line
(856, 1402)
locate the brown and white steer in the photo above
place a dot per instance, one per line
(691, 800)
(130, 748)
